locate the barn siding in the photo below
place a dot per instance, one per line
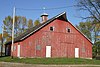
(62, 43)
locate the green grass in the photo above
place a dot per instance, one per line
(50, 60)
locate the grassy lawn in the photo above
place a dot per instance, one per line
(50, 60)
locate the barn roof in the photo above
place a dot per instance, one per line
(31, 31)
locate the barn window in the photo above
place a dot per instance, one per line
(68, 30)
(51, 28)
(38, 47)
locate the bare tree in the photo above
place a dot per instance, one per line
(92, 6)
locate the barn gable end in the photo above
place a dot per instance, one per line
(56, 37)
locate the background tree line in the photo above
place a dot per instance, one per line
(21, 25)
(91, 27)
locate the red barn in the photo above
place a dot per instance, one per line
(55, 37)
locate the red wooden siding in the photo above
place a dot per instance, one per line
(62, 42)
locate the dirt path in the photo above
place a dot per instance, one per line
(8, 64)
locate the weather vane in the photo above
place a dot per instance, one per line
(44, 9)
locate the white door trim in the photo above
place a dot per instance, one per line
(48, 51)
(18, 51)
(76, 52)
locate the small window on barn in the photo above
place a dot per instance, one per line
(68, 30)
(51, 28)
(38, 47)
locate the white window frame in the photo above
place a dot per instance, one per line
(69, 29)
(52, 27)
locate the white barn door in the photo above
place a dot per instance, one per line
(48, 51)
(18, 51)
(76, 52)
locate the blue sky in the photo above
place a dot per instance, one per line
(6, 8)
